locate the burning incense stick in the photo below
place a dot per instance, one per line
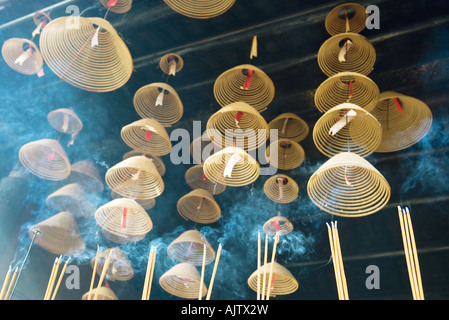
(103, 274)
(50, 279)
(93, 274)
(340, 262)
(340, 278)
(211, 284)
(265, 266)
(258, 266)
(202, 273)
(415, 255)
(270, 278)
(60, 279)
(5, 283)
(150, 273)
(11, 283)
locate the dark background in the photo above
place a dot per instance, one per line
(412, 58)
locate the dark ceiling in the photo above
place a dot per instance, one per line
(412, 58)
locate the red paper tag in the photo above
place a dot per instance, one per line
(112, 3)
(203, 177)
(350, 88)
(347, 179)
(125, 210)
(275, 223)
(50, 156)
(239, 115)
(272, 284)
(398, 105)
(148, 135)
(247, 83)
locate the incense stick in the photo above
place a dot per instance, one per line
(11, 283)
(265, 266)
(147, 274)
(153, 261)
(60, 279)
(103, 274)
(340, 262)
(415, 255)
(258, 266)
(202, 273)
(270, 278)
(51, 278)
(5, 283)
(89, 297)
(211, 284)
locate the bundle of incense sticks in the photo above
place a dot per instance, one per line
(264, 292)
(149, 274)
(411, 254)
(337, 259)
(50, 293)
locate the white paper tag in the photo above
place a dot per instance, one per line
(24, 57)
(344, 50)
(351, 114)
(230, 165)
(95, 38)
(160, 99)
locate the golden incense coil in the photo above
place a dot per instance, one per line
(135, 177)
(166, 63)
(200, 9)
(189, 247)
(46, 159)
(200, 206)
(22, 55)
(290, 154)
(119, 268)
(65, 120)
(405, 120)
(59, 234)
(69, 48)
(105, 293)
(86, 173)
(278, 225)
(147, 136)
(347, 17)
(196, 179)
(122, 6)
(283, 282)
(231, 166)
(347, 87)
(290, 126)
(147, 204)
(347, 127)
(158, 162)
(71, 197)
(123, 217)
(240, 124)
(360, 55)
(347, 185)
(159, 101)
(183, 281)
(245, 83)
(281, 188)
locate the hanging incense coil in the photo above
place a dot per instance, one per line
(202, 148)
(147, 136)
(290, 126)
(347, 17)
(200, 206)
(238, 124)
(359, 55)
(200, 9)
(183, 281)
(119, 268)
(158, 162)
(245, 83)
(405, 121)
(189, 247)
(171, 63)
(136, 178)
(46, 159)
(111, 217)
(284, 282)
(22, 55)
(347, 87)
(147, 204)
(278, 225)
(347, 185)
(71, 197)
(159, 101)
(121, 6)
(196, 179)
(281, 188)
(245, 169)
(104, 293)
(65, 120)
(59, 234)
(347, 127)
(86, 173)
(69, 50)
(290, 154)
